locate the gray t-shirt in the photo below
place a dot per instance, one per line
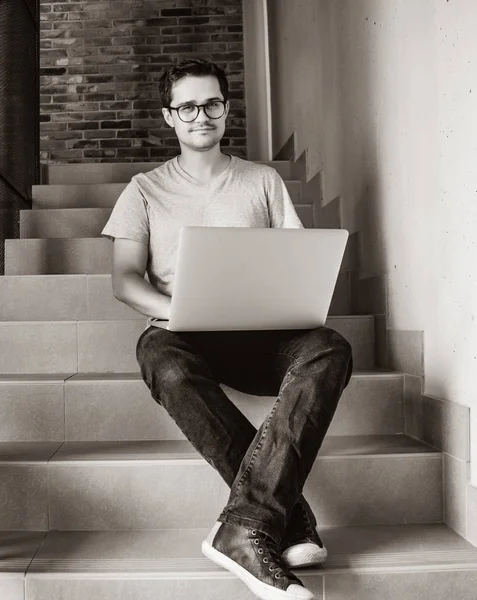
(155, 205)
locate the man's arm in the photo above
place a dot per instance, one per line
(129, 285)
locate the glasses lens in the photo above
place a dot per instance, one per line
(215, 109)
(188, 112)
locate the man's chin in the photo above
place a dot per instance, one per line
(205, 147)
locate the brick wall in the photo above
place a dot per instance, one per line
(100, 65)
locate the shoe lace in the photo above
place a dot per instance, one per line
(270, 555)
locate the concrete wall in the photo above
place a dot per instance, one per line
(383, 95)
(257, 79)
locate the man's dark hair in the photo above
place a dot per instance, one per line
(197, 67)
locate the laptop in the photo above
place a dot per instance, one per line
(246, 278)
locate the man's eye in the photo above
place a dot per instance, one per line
(187, 108)
(213, 104)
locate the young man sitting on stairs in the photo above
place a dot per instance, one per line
(267, 527)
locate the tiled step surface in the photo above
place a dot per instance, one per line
(158, 484)
(100, 407)
(90, 297)
(89, 222)
(405, 562)
(119, 172)
(79, 256)
(63, 222)
(58, 256)
(110, 346)
(102, 195)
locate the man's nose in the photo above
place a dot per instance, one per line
(201, 117)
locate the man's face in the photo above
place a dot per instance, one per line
(204, 133)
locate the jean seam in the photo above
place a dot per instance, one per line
(254, 453)
(284, 354)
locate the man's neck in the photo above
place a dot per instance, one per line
(203, 166)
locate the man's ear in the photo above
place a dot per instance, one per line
(166, 113)
(227, 108)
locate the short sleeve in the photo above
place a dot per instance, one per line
(280, 205)
(129, 217)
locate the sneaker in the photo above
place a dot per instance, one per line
(253, 557)
(305, 551)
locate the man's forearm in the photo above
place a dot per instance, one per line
(140, 295)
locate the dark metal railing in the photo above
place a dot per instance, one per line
(19, 111)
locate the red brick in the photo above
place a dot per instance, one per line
(116, 125)
(82, 144)
(209, 10)
(99, 153)
(138, 123)
(67, 117)
(82, 70)
(133, 134)
(65, 135)
(115, 105)
(126, 114)
(68, 154)
(68, 98)
(178, 49)
(83, 126)
(81, 106)
(99, 97)
(51, 108)
(226, 37)
(115, 143)
(99, 135)
(136, 152)
(46, 127)
(52, 145)
(100, 116)
(50, 17)
(145, 104)
(176, 12)
(177, 30)
(163, 153)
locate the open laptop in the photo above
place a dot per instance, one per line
(246, 278)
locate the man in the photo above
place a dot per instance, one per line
(267, 527)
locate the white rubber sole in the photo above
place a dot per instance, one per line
(304, 555)
(260, 589)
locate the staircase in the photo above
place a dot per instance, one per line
(102, 496)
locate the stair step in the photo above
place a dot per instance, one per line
(58, 256)
(120, 172)
(101, 195)
(76, 223)
(90, 297)
(98, 407)
(63, 222)
(110, 346)
(409, 562)
(157, 484)
(77, 256)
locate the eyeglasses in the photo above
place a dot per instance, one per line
(189, 112)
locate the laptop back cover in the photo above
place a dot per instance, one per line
(241, 278)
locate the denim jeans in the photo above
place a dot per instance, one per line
(266, 469)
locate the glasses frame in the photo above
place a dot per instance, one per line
(198, 107)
